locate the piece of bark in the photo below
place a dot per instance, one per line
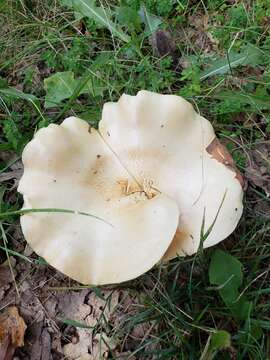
(12, 329)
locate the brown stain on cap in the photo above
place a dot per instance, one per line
(219, 152)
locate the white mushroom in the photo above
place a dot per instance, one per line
(152, 159)
(162, 140)
(69, 167)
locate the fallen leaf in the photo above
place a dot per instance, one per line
(199, 21)
(39, 346)
(79, 349)
(14, 174)
(12, 329)
(72, 305)
(89, 309)
(30, 306)
(101, 345)
(5, 275)
(87, 348)
(262, 209)
(102, 307)
(258, 168)
(197, 34)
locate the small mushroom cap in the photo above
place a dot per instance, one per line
(70, 166)
(161, 138)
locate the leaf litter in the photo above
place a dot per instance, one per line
(257, 169)
(65, 320)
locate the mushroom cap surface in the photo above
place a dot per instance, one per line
(165, 141)
(69, 166)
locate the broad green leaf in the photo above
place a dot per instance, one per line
(13, 134)
(219, 340)
(93, 86)
(59, 86)
(226, 272)
(241, 309)
(100, 15)
(69, 3)
(3, 83)
(150, 21)
(12, 92)
(255, 102)
(63, 85)
(251, 55)
(128, 17)
(256, 332)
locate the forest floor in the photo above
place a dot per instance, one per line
(216, 55)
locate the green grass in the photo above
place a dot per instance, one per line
(220, 62)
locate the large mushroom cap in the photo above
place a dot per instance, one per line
(165, 142)
(152, 159)
(70, 167)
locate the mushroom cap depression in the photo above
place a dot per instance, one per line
(154, 172)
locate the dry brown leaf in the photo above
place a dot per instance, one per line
(262, 209)
(198, 33)
(101, 345)
(5, 275)
(88, 309)
(102, 307)
(72, 305)
(84, 347)
(199, 21)
(14, 174)
(12, 329)
(30, 306)
(258, 167)
(79, 350)
(39, 342)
